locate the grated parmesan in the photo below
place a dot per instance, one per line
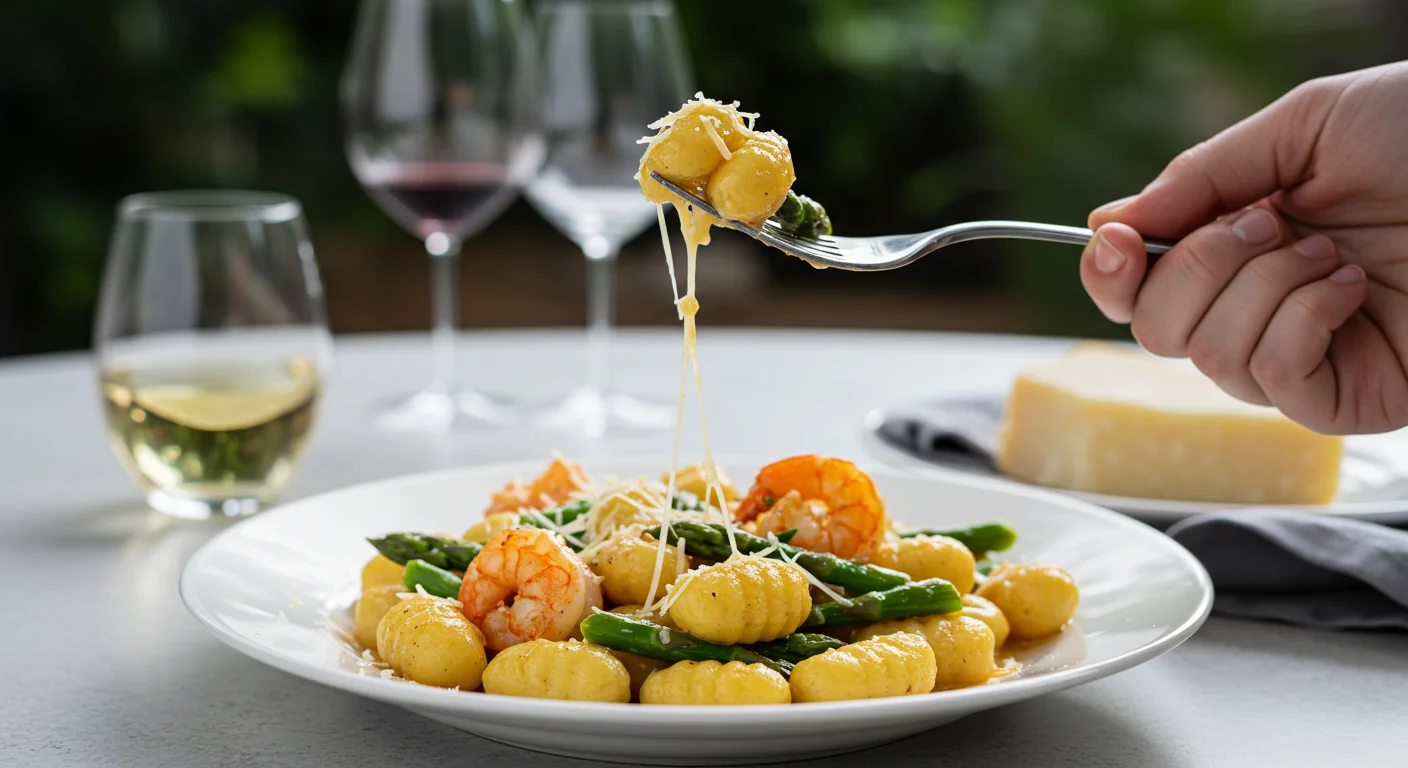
(694, 225)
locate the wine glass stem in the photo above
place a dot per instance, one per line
(444, 253)
(601, 273)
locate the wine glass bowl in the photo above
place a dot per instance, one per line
(438, 101)
(211, 346)
(608, 70)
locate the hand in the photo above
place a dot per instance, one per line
(1289, 283)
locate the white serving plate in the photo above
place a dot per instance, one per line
(271, 588)
(1373, 481)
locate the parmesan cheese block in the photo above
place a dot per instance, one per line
(1107, 420)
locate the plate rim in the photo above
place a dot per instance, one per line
(1155, 511)
(492, 708)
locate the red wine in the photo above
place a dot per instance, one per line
(454, 198)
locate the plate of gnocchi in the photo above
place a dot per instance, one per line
(629, 612)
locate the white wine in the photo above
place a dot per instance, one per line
(213, 435)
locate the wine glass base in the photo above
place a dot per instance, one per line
(191, 508)
(592, 412)
(447, 411)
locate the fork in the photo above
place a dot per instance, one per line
(872, 254)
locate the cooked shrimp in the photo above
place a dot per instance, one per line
(557, 484)
(526, 585)
(833, 505)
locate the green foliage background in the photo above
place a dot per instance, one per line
(902, 115)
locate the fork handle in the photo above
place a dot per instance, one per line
(1026, 230)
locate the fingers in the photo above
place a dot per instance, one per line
(1269, 151)
(1290, 362)
(1112, 268)
(1223, 342)
(1185, 282)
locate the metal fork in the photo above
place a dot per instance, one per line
(872, 254)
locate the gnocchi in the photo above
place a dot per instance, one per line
(738, 620)
(380, 570)
(695, 480)
(929, 557)
(558, 669)
(710, 682)
(371, 606)
(743, 600)
(1037, 599)
(752, 184)
(622, 507)
(627, 567)
(899, 664)
(985, 611)
(482, 531)
(962, 646)
(427, 640)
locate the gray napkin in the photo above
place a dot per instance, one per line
(951, 431)
(1302, 568)
(1268, 564)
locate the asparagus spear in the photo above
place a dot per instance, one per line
(921, 598)
(436, 550)
(990, 537)
(653, 641)
(792, 213)
(436, 581)
(816, 223)
(795, 647)
(802, 216)
(710, 540)
(558, 516)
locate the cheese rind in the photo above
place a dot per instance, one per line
(1106, 420)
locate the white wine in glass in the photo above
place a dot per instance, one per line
(211, 347)
(438, 106)
(608, 70)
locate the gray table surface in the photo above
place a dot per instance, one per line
(105, 667)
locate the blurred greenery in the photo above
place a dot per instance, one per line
(902, 116)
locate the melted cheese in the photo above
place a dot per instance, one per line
(1107, 420)
(694, 225)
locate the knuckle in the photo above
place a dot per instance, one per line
(1271, 369)
(1199, 259)
(1213, 359)
(1190, 157)
(1154, 337)
(1266, 271)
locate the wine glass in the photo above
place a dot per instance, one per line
(609, 70)
(211, 346)
(440, 129)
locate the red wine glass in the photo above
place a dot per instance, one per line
(438, 105)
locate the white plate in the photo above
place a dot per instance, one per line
(269, 587)
(1373, 481)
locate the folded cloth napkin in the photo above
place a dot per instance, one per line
(955, 430)
(1269, 564)
(1301, 567)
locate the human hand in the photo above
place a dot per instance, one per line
(1289, 282)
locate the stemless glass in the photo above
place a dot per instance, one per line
(609, 69)
(439, 111)
(211, 346)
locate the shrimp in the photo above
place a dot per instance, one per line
(557, 484)
(526, 585)
(833, 505)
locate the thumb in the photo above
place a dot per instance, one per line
(1269, 151)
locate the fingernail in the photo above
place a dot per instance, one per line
(1255, 227)
(1108, 258)
(1316, 247)
(1115, 204)
(1347, 275)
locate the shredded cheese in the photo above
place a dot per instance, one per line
(694, 225)
(717, 139)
